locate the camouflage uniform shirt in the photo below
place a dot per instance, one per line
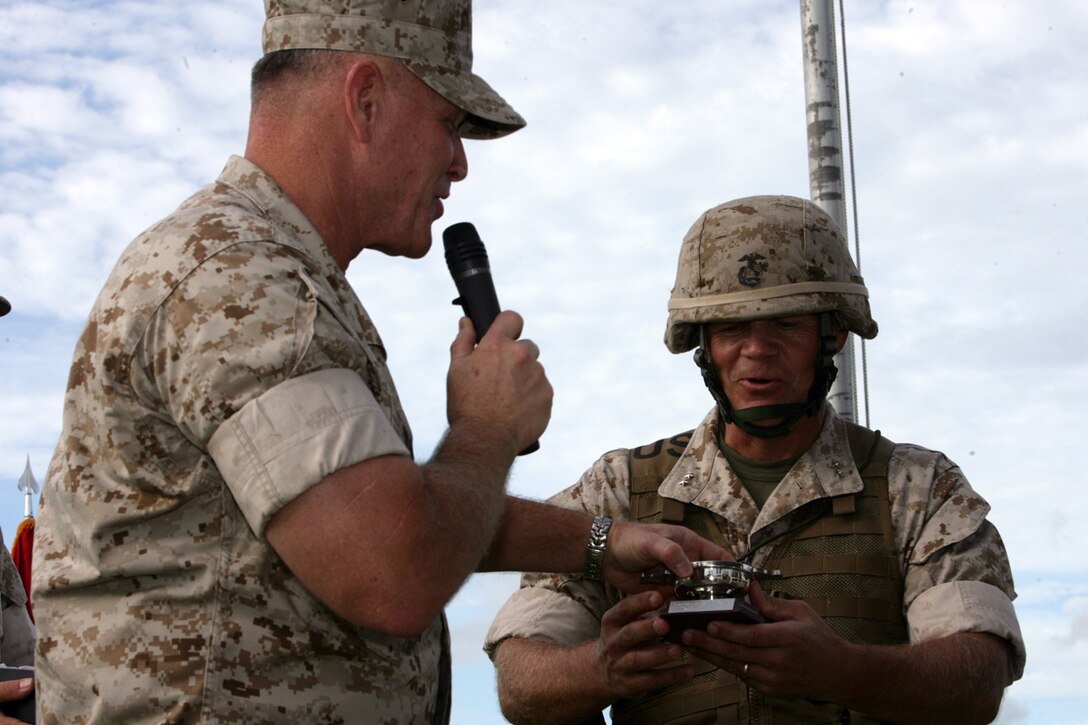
(957, 576)
(226, 367)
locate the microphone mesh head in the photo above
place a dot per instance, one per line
(464, 249)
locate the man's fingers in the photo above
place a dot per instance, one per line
(16, 689)
(648, 658)
(759, 600)
(465, 341)
(689, 547)
(655, 679)
(776, 609)
(630, 634)
(676, 559)
(507, 324)
(631, 608)
(699, 549)
(531, 348)
(724, 640)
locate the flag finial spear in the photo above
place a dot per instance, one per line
(29, 486)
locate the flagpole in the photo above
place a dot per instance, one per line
(825, 158)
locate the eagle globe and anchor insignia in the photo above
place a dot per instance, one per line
(751, 274)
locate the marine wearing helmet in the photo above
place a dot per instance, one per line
(764, 257)
(886, 558)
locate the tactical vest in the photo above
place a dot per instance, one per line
(838, 554)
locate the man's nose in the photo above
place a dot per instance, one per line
(459, 166)
(758, 342)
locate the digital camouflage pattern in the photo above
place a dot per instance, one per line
(957, 572)
(761, 257)
(432, 37)
(199, 403)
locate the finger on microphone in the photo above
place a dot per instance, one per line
(465, 342)
(508, 324)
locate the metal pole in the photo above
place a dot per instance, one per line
(825, 156)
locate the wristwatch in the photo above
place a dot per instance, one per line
(598, 542)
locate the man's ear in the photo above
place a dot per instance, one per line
(362, 85)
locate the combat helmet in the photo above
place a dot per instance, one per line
(761, 257)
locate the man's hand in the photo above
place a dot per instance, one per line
(958, 678)
(631, 656)
(499, 381)
(791, 656)
(13, 690)
(544, 681)
(634, 548)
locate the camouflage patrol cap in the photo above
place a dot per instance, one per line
(432, 37)
(761, 257)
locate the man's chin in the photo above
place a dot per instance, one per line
(415, 249)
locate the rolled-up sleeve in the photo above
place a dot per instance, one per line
(967, 606)
(293, 435)
(561, 607)
(541, 612)
(957, 576)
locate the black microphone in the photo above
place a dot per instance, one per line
(5, 307)
(471, 272)
(467, 260)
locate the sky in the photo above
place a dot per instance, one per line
(970, 144)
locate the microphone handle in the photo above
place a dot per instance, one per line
(478, 299)
(471, 272)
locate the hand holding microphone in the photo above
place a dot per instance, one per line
(471, 272)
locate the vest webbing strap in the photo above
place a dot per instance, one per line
(838, 525)
(873, 565)
(856, 608)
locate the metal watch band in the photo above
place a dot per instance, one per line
(598, 542)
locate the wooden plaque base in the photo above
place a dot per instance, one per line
(697, 613)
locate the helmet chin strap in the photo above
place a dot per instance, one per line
(789, 413)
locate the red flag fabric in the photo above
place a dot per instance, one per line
(22, 551)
